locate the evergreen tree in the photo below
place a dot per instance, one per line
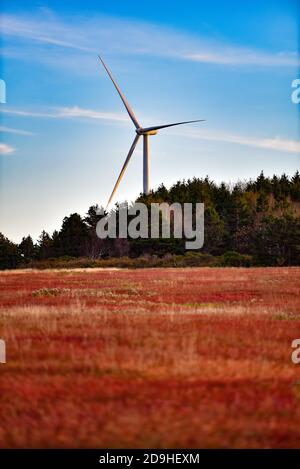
(27, 249)
(73, 236)
(259, 218)
(44, 246)
(278, 241)
(10, 256)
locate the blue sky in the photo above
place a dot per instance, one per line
(65, 133)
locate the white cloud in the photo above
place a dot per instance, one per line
(76, 111)
(18, 112)
(44, 29)
(6, 149)
(132, 37)
(270, 143)
(10, 130)
(70, 112)
(274, 143)
(247, 57)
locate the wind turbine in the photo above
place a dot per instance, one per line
(140, 131)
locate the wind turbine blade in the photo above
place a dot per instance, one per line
(128, 108)
(123, 168)
(157, 127)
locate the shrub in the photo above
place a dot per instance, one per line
(50, 291)
(235, 259)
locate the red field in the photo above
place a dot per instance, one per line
(150, 358)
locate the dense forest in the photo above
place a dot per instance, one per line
(248, 223)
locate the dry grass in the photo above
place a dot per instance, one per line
(152, 358)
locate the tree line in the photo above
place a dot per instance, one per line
(257, 221)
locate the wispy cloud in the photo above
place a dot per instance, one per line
(6, 149)
(76, 111)
(45, 29)
(10, 130)
(132, 37)
(247, 57)
(271, 143)
(69, 112)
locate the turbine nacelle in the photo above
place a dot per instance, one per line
(146, 132)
